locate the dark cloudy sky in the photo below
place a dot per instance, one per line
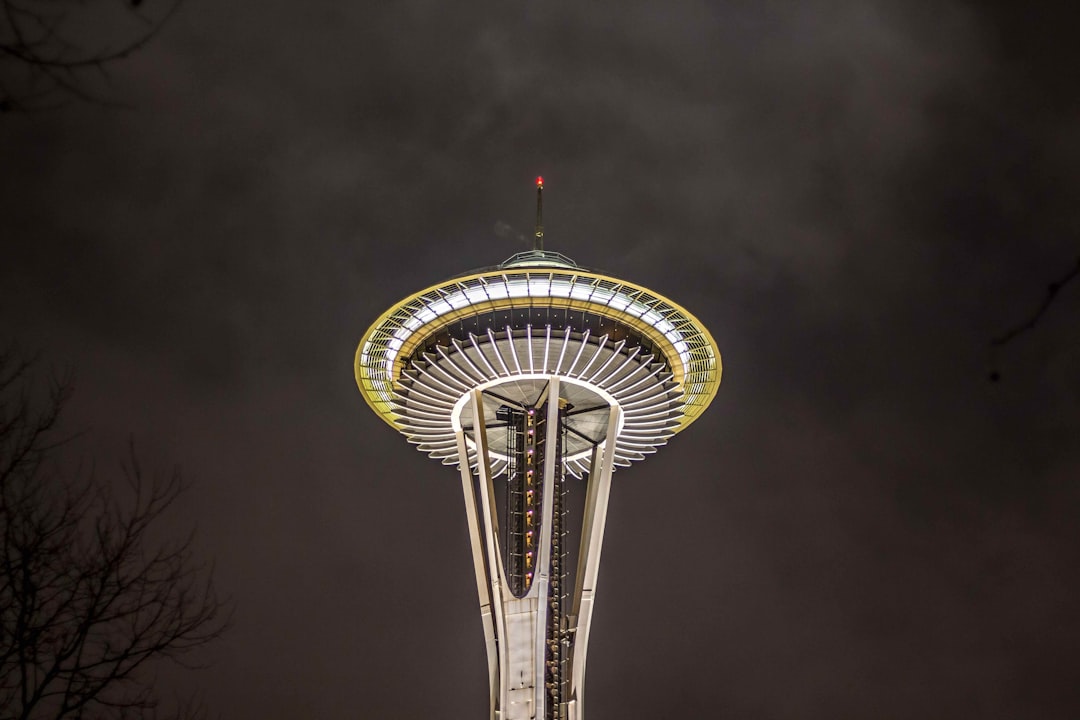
(854, 196)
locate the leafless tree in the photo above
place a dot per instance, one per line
(1053, 291)
(54, 50)
(90, 597)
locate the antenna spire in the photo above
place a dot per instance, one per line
(538, 241)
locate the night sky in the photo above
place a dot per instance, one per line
(853, 196)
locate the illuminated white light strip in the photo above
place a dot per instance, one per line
(513, 350)
(463, 386)
(460, 373)
(433, 443)
(421, 423)
(426, 400)
(426, 395)
(566, 341)
(433, 438)
(427, 415)
(649, 375)
(636, 434)
(547, 347)
(637, 422)
(480, 353)
(642, 372)
(650, 401)
(633, 353)
(614, 354)
(464, 356)
(462, 370)
(603, 342)
(584, 342)
(498, 353)
(649, 392)
(660, 414)
(638, 447)
(425, 373)
(528, 341)
(529, 286)
(431, 415)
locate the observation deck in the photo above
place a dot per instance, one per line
(538, 313)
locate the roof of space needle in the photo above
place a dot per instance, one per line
(663, 372)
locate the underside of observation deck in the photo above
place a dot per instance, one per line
(596, 371)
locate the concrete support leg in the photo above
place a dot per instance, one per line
(592, 540)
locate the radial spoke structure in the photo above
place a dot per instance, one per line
(537, 378)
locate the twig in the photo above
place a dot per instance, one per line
(1052, 292)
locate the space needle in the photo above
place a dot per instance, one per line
(536, 378)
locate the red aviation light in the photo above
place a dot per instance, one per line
(539, 181)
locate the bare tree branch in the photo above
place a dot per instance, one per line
(89, 601)
(45, 52)
(1053, 291)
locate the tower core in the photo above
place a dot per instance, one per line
(537, 378)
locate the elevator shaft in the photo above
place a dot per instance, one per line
(527, 451)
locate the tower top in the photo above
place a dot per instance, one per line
(539, 259)
(548, 290)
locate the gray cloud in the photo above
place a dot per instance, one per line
(854, 197)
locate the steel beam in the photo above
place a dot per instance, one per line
(491, 540)
(592, 540)
(542, 580)
(481, 568)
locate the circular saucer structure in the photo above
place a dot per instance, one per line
(535, 315)
(536, 378)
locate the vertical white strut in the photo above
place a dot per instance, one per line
(491, 538)
(592, 540)
(543, 581)
(483, 588)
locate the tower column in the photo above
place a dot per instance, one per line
(495, 574)
(588, 567)
(552, 465)
(482, 571)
